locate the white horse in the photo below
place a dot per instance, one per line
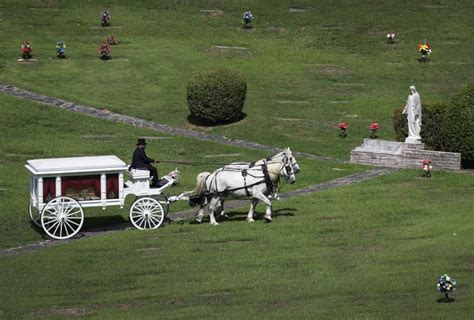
(246, 165)
(244, 180)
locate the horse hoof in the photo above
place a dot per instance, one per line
(268, 220)
(198, 221)
(215, 224)
(250, 220)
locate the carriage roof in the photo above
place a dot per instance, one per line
(76, 165)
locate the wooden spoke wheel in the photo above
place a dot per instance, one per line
(35, 215)
(147, 213)
(62, 218)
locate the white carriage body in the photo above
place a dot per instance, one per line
(103, 171)
(51, 177)
(59, 185)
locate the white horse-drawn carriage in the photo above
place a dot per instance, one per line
(60, 188)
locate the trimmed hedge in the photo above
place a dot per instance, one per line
(217, 96)
(445, 126)
(457, 131)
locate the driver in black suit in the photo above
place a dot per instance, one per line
(141, 161)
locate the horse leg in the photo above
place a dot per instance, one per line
(212, 208)
(268, 202)
(200, 213)
(252, 210)
(222, 213)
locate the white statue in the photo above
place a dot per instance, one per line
(413, 112)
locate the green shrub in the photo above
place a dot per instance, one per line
(432, 121)
(217, 96)
(457, 130)
(432, 118)
(400, 124)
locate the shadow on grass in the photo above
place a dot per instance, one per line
(443, 300)
(91, 223)
(192, 119)
(95, 224)
(239, 216)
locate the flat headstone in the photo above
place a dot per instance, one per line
(297, 10)
(116, 59)
(212, 13)
(339, 102)
(293, 102)
(229, 48)
(349, 84)
(276, 29)
(109, 27)
(27, 60)
(289, 119)
(98, 136)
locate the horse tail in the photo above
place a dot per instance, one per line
(200, 188)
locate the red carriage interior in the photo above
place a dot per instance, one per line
(79, 183)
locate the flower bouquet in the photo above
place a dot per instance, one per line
(247, 18)
(390, 38)
(425, 50)
(426, 167)
(446, 284)
(343, 127)
(374, 127)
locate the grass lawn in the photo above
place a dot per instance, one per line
(372, 250)
(305, 71)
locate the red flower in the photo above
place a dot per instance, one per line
(343, 125)
(374, 126)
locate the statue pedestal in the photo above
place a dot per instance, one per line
(402, 155)
(413, 140)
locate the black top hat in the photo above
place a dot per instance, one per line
(141, 141)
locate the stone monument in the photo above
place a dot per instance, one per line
(408, 154)
(413, 111)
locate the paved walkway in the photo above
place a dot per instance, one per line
(116, 117)
(189, 214)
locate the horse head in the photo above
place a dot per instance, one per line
(288, 166)
(294, 164)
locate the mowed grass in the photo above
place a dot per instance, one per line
(33, 131)
(305, 71)
(369, 251)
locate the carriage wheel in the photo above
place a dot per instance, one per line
(62, 218)
(35, 215)
(147, 213)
